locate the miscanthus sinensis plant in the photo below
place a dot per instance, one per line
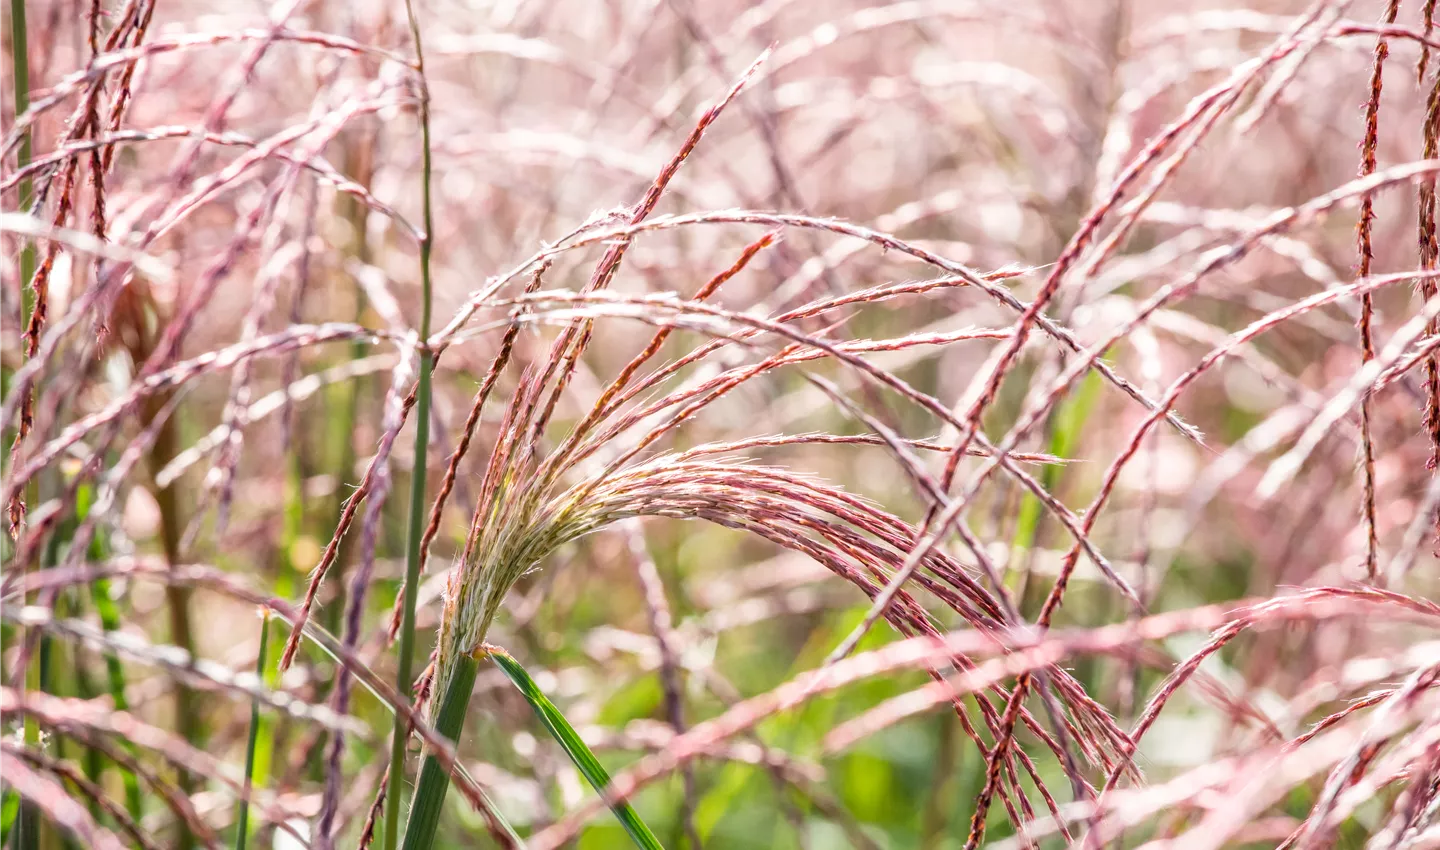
(1067, 379)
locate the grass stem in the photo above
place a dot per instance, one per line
(434, 782)
(405, 664)
(242, 817)
(27, 825)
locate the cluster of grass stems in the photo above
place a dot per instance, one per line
(1169, 464)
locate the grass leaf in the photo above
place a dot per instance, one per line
(565, 735)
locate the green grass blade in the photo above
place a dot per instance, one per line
(9, 808)
(115, 682)
(289, 576)
(1069, 425)
(566, 736)
(109, 614)
(242, 817)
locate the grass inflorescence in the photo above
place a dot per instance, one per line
(667, 424)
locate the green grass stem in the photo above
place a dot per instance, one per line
(405, 664)
(242, 817)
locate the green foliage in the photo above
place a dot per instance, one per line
(569, 740)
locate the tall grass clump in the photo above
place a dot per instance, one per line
(928, 424)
